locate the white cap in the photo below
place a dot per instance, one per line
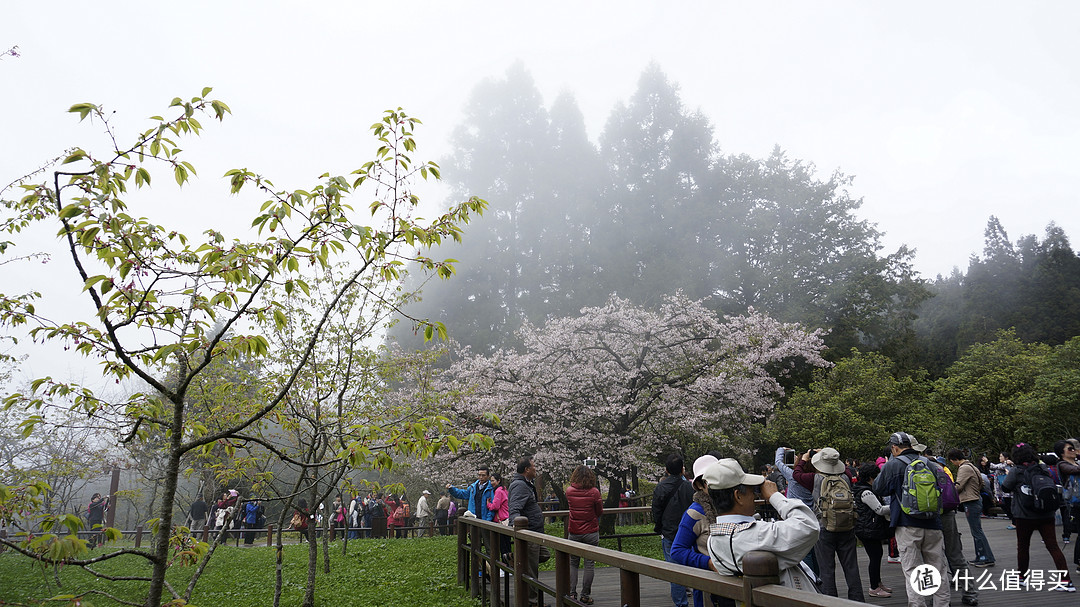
(728, 473)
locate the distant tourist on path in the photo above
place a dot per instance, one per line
(476, 495)
(585, 504)
(423, 513)
(969, 485)
(1027, 515)
(197, 514)
(95, 516)
(671, 497)
(523, 502)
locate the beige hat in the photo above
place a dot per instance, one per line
(916, 445)
(727, 473)
(702, 464)
(828, 461)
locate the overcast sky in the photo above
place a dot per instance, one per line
(945, 113)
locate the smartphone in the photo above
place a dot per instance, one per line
(789, 457)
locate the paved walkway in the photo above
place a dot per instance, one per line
(1002, 541)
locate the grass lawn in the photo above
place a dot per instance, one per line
(417, 572)
(641, 546)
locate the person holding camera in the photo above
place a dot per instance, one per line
(824, 474)
(736, 532)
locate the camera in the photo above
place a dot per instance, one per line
(589, 462)
(789, 457)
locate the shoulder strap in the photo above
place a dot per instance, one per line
(978, 474)
(667, 500)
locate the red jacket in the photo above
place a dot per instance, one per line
(585, 509)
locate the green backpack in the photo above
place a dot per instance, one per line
(834, 502)
(920, 496)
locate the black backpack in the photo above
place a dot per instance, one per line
(1038, 492)
(869, 525)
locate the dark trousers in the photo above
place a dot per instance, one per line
(954, 553)
(249, 536)
(833, 545)
(874, 551)
(1024, 529)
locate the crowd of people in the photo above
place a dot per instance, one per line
(819, 508)
(360, 517)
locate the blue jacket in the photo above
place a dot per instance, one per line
(889, 483)
(470, 495)
(794, 489)
(684, 549)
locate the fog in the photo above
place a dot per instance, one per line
(944, 115)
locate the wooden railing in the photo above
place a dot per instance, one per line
(477, 570)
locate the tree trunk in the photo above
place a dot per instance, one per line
(168, 496)
(313, 562)
(607, 521)
(326, 543)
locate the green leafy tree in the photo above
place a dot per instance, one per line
(1047, 412)
(853, 407)
(164, 302)
(979, 394)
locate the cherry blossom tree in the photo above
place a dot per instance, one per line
(623, 383)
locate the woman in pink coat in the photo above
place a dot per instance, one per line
(499, 502)
(500, 505)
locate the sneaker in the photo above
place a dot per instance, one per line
(983, 563)
(1011, 528)
(1066, 588)
(895, 560)
(970, 600)
(880, 593)
(586, 599)
(1065, 541)
(884, 587)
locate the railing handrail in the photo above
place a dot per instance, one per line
(760, 587)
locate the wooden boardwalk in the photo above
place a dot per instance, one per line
(1002, 541)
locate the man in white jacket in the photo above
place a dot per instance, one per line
(423, 514)
(736, 532)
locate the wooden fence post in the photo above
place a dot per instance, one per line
(462, 555)
(269, 535)
(138, 537)
(759, 568)
(562, 575)
(521, 563)
(476, 564)
(494, 542)
(629, 588)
